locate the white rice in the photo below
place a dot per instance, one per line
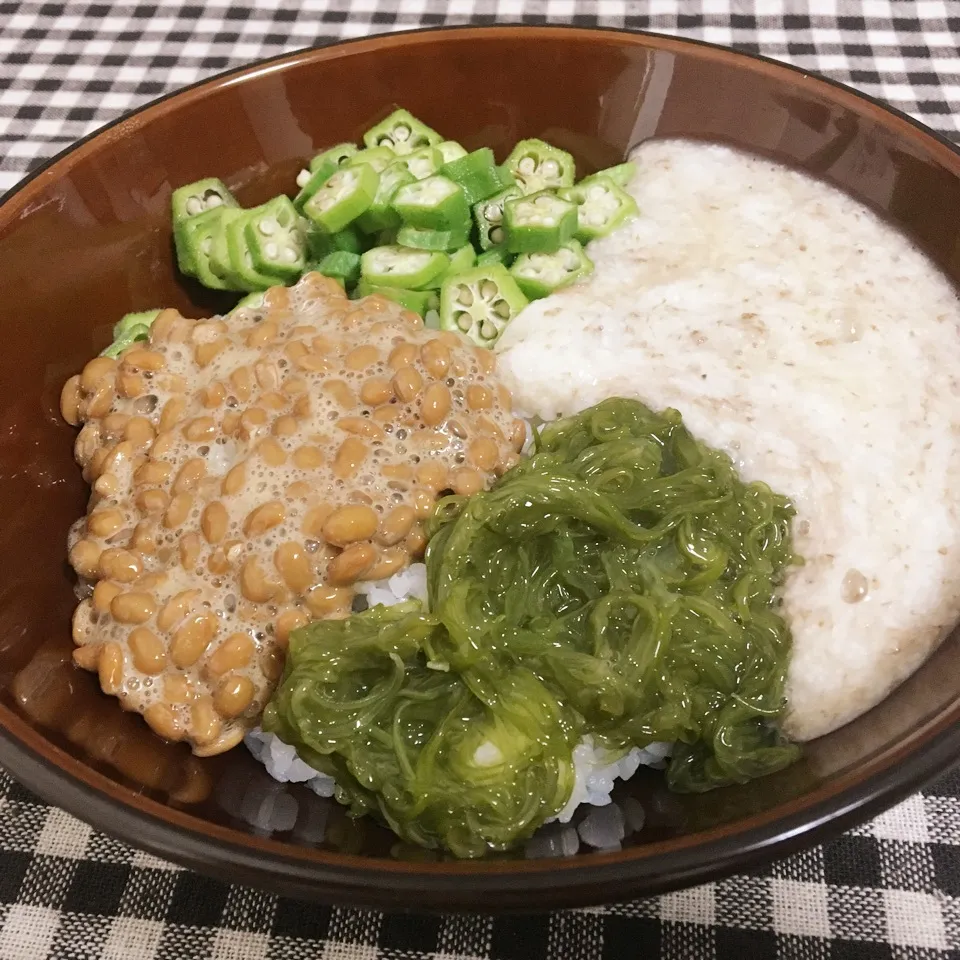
(283, 764)
(596, 770)
(406, 585)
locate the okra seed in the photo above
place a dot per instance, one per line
(401, 133)
(194, 206)
(289, 255)
(464, 321)
(550, 168)
(489, 290)
(465, 296)
(493, 212)
(497, 235)
(271, 250)
(487, 330)
(213, 199)
(527, 165)
(502, 309)
(303, 178)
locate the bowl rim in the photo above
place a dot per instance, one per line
(308, 873)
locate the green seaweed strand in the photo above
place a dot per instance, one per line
(621, 582)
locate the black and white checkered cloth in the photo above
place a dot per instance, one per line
(888, 890)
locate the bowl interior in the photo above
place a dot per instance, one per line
(88, 239)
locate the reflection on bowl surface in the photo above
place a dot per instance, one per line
(104, 208)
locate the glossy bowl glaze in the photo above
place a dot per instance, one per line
(87, 238)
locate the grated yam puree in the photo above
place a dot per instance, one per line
(795, 330)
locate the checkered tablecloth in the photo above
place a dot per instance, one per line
(888, 890)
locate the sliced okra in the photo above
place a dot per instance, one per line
(419, 301)
(450, 150)
(477, 174)
(183, 247)
(241, 259)
(380, 215)
(396, 266)
(536, 166)
(377, 157)
(130, 323)
(480, 303)
(194, 239)
(435, 203)
(621, 174)
(460, 261)
(320, 243)
(129, 329)
(488, 216)
(309, 185)
(199, 197)
(120, 344)
(539, 274)
(219, 260)
(333, 158)
(322, 167)
(420, 238)
(402, 132)
(277, 237)
(498, 254)
(310, 181)
(538, 222)
(343, 197)
(342, 266)
(602, 206)
(421, 163)
(252, 301)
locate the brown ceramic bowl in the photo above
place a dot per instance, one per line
(87, 238)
